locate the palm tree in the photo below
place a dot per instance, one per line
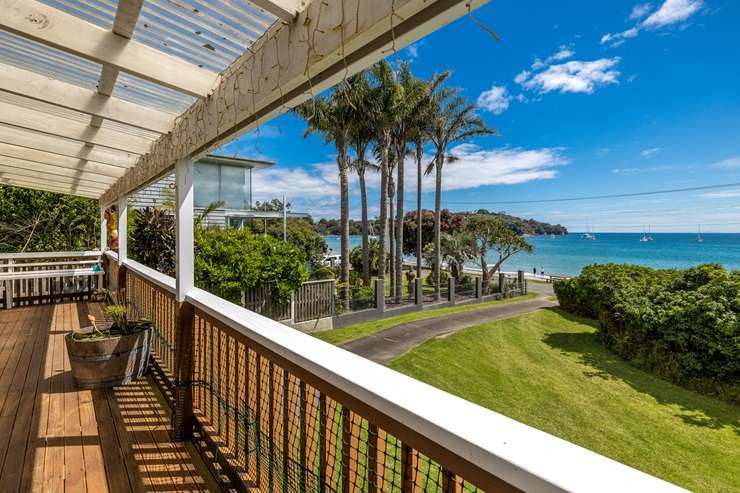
(385, 99)
(403, 133)
(454, 120)
(332, 116)
(420, 125)
(361, 136)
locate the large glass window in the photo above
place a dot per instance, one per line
(227, 184)
(235, 187)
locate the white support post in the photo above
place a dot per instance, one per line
(122, 229)
(185, 240)
(103, 230)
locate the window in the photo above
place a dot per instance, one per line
(218, 182)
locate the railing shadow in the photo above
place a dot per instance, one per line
(695, 410)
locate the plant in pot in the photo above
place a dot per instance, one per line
(111, 354)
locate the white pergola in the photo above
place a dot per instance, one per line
(100, 97)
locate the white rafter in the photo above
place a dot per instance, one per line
(64, 127)
(47, 25)
(32, 140)
(41, 88)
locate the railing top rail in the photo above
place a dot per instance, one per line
(319, 281)
(10, 263)
(41, 255)
(162, 280)
(524, 457)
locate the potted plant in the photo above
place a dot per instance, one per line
(109, 355)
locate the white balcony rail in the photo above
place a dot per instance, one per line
(431, 432)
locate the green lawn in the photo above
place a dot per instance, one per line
(352, 332)
(549, 370)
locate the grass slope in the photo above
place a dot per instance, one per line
(352, 332)
(549, 370)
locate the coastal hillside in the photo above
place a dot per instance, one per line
(331, 227)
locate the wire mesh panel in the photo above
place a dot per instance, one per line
(148, 301)
(280, 429)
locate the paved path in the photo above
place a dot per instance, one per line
(392, 342)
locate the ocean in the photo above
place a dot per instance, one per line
(568, 254)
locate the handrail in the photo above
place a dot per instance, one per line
(162, 280)
(35, 255)
(524, 457)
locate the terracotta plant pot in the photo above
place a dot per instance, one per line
(115, 360)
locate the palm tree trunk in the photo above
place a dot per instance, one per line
(383, 233)
(419, 155)
(438, 227)
(365, 233)
(343, 161)
(398, 271)
(391, 234)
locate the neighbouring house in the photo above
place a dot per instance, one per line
(223, 179)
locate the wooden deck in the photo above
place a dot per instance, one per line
(57, 438)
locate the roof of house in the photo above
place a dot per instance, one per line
(236, 161)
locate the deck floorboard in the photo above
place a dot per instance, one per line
(57, 437)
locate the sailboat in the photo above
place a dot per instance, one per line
(646, 236)
(587, 235)
(649, 238)
(699, 239)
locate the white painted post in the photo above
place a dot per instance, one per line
(185, 240)
(122, 229)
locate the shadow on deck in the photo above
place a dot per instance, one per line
(56, 437)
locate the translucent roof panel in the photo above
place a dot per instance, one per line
(207, 34)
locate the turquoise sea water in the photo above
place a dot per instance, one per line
(570, 253)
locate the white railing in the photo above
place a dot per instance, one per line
(46, 277)
(473, 444)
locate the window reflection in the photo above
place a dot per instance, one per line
(227, 184)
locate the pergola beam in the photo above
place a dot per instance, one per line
(49, 188)
(49, 180)
(290, 63)
(284, 9)
(36, 141)
(64, 127)
(59, 161)
(53, 27)
(14, 165)
(41, 88)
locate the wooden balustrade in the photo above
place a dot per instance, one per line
(41, 277)
(281, 411)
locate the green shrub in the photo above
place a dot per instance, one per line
(229, 261)
(681, 325)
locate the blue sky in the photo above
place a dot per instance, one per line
(588, 97)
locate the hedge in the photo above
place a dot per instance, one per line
(683, 325)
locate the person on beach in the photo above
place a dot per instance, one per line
(534, 270)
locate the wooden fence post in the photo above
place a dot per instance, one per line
(520, 281)
(182, 424)
(502, 284)
(379, 295)
(418, 291)
(479, 287)
(451, 290)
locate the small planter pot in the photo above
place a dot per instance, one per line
(116, 360)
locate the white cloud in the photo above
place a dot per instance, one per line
(522, 76)
(640, 171)
(721, 195)
(496, 99)
(640, 10)
(314, 188)
(412, 50)
(730, 163)
(649, 152)
(575, 76)
(563, 53)
(672, 11)
(618, 38)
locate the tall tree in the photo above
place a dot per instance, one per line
(453, 120)
(491, 234)
(385, 99)
(332, 117)
(361, 135)
(405, 129)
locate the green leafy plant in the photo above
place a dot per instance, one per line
(681, 325)
(118, 314)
